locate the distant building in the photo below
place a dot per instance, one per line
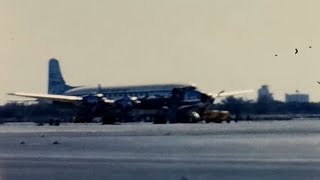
(264, 94)
(298, 97)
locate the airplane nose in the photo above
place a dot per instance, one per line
(207, 98)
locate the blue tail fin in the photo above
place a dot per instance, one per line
(56, 83)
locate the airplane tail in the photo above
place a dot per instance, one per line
(56, 83)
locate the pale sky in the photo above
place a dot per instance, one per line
(214, 44)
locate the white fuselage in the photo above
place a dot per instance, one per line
(119, 92)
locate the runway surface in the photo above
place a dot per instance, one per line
(244, 150)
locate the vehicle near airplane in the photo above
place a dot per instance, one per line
(163, 103)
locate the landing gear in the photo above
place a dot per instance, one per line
(108, 120)
(54, 122)
(82, 119)
(83, 115)
(176, 116)
(110, 117)
(159, 119)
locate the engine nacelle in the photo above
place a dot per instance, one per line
(127, 102)
(90, 99)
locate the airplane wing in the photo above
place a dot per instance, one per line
(73, 99)
(231, 93)
(50, 97)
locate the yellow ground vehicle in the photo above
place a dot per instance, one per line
(216, 116)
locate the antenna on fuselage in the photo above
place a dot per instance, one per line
(99, 89)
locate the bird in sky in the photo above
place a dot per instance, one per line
(296, 51)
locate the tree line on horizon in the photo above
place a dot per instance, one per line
(236, 106)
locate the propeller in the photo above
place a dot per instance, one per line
(93, 99)
(220, 93)
(127, 101)
(231, 93)
(209, 98)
